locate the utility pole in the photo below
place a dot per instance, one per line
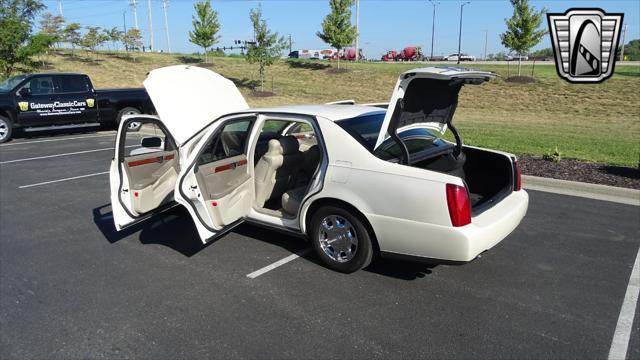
(486, 35)
(357, 30)
(460, 33)
(165, 4)
(60, 8)
(433, 26)
(124, 23)
(624, 34)
(151, 47)
(134, 6)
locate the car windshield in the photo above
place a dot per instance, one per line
(11, 82)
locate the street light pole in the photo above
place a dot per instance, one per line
(460, 33)
(433, 26)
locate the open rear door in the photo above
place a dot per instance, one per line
(143, 172)
(216, 185)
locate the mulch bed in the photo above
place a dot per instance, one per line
(262, 93)
(583, 171)
(520, 79)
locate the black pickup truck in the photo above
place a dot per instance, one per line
(46, 101)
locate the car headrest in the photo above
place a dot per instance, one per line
(274, 147)
(289, 145)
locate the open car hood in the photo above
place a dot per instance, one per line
(188, 98)
(427, 97)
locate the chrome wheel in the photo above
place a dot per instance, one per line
(338, 238)
(4, 129)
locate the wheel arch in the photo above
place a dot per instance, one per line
(319, 203)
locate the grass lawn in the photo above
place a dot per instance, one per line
(596, 122)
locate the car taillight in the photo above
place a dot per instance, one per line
(517, 184)
(459, 205)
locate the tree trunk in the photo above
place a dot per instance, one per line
(519, 65)
(262, 77)
(205, 55)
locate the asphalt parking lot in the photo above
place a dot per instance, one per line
(72, 287)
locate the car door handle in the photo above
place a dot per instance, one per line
(193, 187)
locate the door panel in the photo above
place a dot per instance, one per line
(144, 171)
(217, 187)
(37, 108)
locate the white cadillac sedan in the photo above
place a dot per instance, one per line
(357, 181)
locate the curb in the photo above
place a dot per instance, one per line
(586, 190)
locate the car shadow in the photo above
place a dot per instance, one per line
(627, 172)
(21, 134)
(175, 230)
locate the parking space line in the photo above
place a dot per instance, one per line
(49, 140)
(61, 180)
(622, 335)
(58, 155)
(278, 263)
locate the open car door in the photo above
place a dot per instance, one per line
(143, 171)
(216, 185)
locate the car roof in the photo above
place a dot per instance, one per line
(330, 112)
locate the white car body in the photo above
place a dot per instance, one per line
(406, 207)
(463, 57)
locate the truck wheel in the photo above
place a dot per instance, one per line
(6, 128)
(340, 239)
(134, 125)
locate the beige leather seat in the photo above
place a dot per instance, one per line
(291, 199)
(275, 169)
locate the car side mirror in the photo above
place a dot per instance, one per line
(151, 142)
(25, 92)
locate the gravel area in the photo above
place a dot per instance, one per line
(583, 171)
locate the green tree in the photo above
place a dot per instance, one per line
(205, 26)
(52, 25)
(523, 31)
(132, 40)
(267, 46)
(632, 50)
(114, 35)
(92, 39)
(71, 35)
(337, 30)
(17, 44)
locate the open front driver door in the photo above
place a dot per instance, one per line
(143, 172)
(215, 186)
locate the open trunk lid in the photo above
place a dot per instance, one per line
(427, 97)
(188, 98)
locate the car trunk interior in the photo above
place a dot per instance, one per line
(488, 175)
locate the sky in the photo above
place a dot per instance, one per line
(384, 24)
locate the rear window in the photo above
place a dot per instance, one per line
(72, 83)
(365, 130)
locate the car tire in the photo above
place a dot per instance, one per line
(133, 126)
(350, 249)
(6, 129)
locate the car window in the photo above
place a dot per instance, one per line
(229, 142)
(40, 85)
(416, 140)
(134, 140)
(274, 126)
(365, 128)
(72, 83)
